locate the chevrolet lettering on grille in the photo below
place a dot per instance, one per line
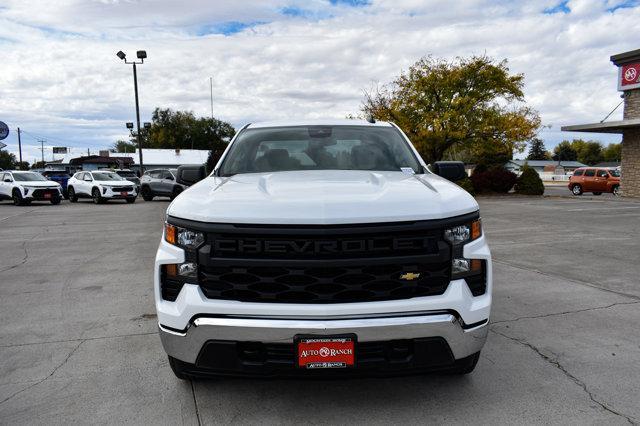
(319, 247)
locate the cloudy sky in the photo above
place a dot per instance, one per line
(61, 81)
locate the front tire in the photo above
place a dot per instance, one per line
(178, 368)
(56, 200)
(97, 198)
(17, 198)
(131, 200)
(72, 195)
(616, 190)
(146, 193)
(576, 189)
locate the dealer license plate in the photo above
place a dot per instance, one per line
(123, 193)
(47, 195)
(315, 352)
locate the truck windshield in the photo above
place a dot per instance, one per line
(615, 172)
(279, 149)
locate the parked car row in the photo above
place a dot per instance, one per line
(23, 187)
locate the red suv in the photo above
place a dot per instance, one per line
(592, 179)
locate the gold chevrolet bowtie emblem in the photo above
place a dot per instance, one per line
(410, 276)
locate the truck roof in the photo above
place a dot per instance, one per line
(317, 122)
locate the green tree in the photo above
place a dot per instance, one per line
(537, 150)
(590, 153)
(38, 165)
(464, 104)
(22, 165)
(124, 146)
(529, 182)
(564, 151)
(7, 160)
(613, 152)
(181, 129)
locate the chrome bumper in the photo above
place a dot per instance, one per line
(186, 345)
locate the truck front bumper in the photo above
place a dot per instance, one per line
(462, 340)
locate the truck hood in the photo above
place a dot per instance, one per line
(322, 197)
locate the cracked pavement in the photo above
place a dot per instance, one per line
(78, 340)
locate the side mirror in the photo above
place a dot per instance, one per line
(169, 178)
(450, 170)
(188, 175)
(8, 180)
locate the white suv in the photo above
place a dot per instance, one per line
(100, 186)
(323, 248)
(25, 187)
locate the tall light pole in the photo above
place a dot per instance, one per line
(141, 54)
(211, 89)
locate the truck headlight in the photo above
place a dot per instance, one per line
(458, 236)
(462, 234)
(182, 237)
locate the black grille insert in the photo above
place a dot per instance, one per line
(122, 188)
(353, 283)
(324, 263)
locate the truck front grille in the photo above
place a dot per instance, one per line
(324, 283)
(324, 264)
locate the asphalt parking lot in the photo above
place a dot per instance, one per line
(78, 340)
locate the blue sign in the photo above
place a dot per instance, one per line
(4, 131)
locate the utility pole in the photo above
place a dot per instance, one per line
(42, 151)
(211, 89)
(20, 148)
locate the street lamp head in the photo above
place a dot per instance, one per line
(147, 126)
(129, 126)
(142, 54)
(121, 54)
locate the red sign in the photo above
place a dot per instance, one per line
(629, 76)
(326, 352)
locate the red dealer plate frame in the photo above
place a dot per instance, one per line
(325, 352)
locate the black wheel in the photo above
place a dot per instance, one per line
(176, 191)
(17, 198)
(146, 193)
(177, 367)
(597, 193)
(71, 193)
(95, 194)
(576, 189)
(616, 190)
(56, 200)
(466, 365)
(131, 200)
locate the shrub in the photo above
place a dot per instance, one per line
(529, 182)
(467, 185)
(495, 179)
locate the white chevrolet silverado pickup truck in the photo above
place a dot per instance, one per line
(322, 247)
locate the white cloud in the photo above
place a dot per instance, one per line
(61, 77)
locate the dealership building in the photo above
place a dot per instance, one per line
(628, 64)
(152, 158)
